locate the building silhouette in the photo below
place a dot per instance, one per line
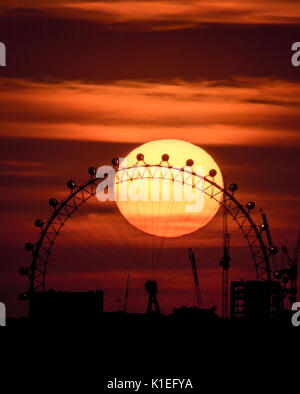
(60, 307)
(256, 300)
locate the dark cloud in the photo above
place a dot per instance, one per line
(68, 49)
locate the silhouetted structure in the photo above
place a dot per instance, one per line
(256, 300)
(56, 307)
(126, 295)
(289, 274)
(151, 287)
(225, 260)
(195, 276)
(195, 315)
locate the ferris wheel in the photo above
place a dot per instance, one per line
(76, 201)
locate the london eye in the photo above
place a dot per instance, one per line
(81, 227)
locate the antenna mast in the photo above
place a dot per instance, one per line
(195, 275)
(272, 249)
(126, 295)
(292, 272)
(225, 263)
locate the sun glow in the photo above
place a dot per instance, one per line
(164, 200)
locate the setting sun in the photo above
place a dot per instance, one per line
(157, 196)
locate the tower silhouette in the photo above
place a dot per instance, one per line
(151, 288)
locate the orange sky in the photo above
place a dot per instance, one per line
(264, 111)
(169, 14)
(87, 81)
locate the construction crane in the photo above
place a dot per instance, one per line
(265, 227)
(195, 276)
(225, 263)
(126, 295)
(291, 273)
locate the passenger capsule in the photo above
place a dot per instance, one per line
(92, 171)
(233, 187)
(39, 223)
(277, 275)
(273, 250)
(140, 157)
(115, 161)
(23, 271)
(71, 184)
(53, 202)
(29, 246)
(23, 296)
(250, 205)
(264, 226)
(212, 173)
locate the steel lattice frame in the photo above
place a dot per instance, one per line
(81, 194)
